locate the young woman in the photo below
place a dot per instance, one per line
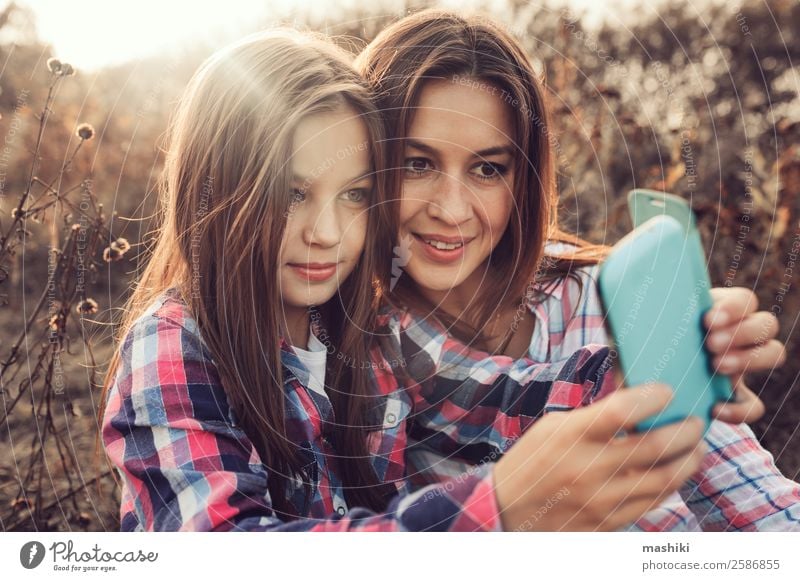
(249, 391)
(486, 262)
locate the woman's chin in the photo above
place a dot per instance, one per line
(438, 283)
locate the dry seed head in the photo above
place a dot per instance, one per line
(87, 307)
(54, 65)
(85, 131)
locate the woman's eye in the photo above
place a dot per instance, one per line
(416, 166)
(356, 196)
(489, 171)
(297, 196)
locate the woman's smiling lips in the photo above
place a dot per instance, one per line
(444, 249)
(314, 271)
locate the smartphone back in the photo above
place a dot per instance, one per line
(654, 297)
(644, 204)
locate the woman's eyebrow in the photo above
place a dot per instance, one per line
(421, 146)
(488, 152)
(496, 150)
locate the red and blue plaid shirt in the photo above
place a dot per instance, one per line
(738, 486)
(186, 464)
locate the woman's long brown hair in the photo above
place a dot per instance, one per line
(436, 44)
(224, 200)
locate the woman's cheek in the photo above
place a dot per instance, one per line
(498, 216)
(412, 201)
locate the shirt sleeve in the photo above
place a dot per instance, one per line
(474, 406)
(574, 316)
(738, 486)
(186, 466)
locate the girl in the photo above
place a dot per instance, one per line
(486, 263)
(221, 408)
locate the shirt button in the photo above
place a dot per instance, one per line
(341, 510)
(391, 418)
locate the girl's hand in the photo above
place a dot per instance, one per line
(741, 339)
(570, 472)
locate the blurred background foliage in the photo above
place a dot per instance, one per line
(704, 104)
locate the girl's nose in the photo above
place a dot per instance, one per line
(321, 227)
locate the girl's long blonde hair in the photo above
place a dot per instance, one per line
(224, 200)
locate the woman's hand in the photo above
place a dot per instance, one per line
(741, 339)
(570, 472)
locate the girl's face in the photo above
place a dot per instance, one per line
(327, 222)
(458, 187)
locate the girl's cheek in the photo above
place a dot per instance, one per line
(357, 233)
(291, 235)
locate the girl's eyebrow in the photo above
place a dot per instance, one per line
(367, 174)
(488, 152)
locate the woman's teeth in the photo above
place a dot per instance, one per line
(443, 245)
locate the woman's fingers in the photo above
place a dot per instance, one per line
(755, 329)
(730, 305)
(745, 409)
(759, 358)
(638, 492)
(665, 478)
(741, 339)
(581, 450)
(622, 410)
(641, 491)
(640, 451)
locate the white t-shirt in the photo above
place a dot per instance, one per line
(314, 359)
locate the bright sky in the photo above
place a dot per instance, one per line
(93, 33)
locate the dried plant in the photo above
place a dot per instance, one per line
(47, 472)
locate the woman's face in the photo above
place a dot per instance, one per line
(327, 221)
(458, 187)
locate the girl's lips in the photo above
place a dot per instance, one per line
(314, 271)
(439, 255)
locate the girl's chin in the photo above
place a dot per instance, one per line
(303, 300)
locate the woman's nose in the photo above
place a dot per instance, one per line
(452, 202)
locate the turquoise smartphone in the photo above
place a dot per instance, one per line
(644, 204)
(655, 291)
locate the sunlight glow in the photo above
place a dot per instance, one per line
(91, 34)
(94, 33)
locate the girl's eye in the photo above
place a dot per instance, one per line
(416, 166)
(356, 196)
(490, 171)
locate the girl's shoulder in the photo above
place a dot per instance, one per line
(171, 306)
(166, 329)
(166, 374)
